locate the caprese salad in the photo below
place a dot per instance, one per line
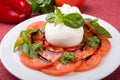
(64, 43)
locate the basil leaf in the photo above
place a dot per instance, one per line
(55, 17)
(37, 48)
(90, 20)
(42, 30)
(25, 33)
(34, 5)
(17, 44)
(23, 37)
(58, 16)
(32, 50)
(46, 2)
(51, 17)
(25, 48)
(28, 48)
(73, 20)
(44, 6)
(47, 9)
(99, 29)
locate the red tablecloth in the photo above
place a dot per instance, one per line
(108, 10)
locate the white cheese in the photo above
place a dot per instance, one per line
(62, 35)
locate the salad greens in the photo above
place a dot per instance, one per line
(24, 44)
(99, 29)
(72, 20)
(44, 6)
(42, 30)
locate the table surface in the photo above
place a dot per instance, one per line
(107, 10)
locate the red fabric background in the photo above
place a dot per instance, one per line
(108, 10)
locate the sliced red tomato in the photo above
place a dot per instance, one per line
(71, 49)
(60, 69)
(38, 36)
(87, 33)
(46, 44)
(90, 63)
(55, 49)
(87, 51)
(96, 58)
(33, 63)
(105, 46)
(37, 25)
(51, 56)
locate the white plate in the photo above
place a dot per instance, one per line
(12, 63)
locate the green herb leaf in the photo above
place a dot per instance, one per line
(25, 33)
(67, 57)
(51, 17)
(90, 20)
(28, 48)
(34, 5)
(73, 20)
(25, 48)
(44, 6)
(58, 16)
(23, 37)
(17, 44)
(32, 50)
(99, 29)
(42, 30)
(47, 9)
(37, 48)
(93, 41)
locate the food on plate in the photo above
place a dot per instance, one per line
(68, 37)
(64, 43)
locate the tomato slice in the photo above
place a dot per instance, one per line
(71, 49)
(96, 58)
(51, 56)
(90, 63)
(50, 63)
(105, 46)
(37, 25)
(60, 69)
(88, 51)
(34, 63)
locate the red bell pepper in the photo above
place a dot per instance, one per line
(14, 11)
